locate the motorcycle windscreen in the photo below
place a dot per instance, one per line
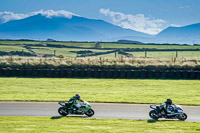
(153, 106)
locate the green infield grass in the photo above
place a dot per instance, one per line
(101, 90)
(84, 125)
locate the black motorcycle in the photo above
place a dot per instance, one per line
(176, 112)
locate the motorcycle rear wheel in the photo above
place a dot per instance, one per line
(154, 115)
(89, 113)
(62, 111)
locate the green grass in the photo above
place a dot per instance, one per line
(110, 55)
(117, 45)
(76, 44)
(104, 45)
(20, 42)
(66, 51)
(84, 125)
(61, 51)
(5, 48)
(167, 54)
(101, 90)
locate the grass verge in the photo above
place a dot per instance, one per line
(83, 125)
(101, 90)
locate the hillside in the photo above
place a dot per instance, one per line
(60, 28)
(185, 34)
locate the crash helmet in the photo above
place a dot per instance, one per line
(169, 101)
(77, 96)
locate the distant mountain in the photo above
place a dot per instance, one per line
(186, 34)
(83, 29)
(66, 29)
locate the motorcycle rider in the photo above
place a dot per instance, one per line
(73, 101)
(164, 107)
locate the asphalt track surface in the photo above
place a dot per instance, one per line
(102, 110)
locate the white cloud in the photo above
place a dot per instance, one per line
(52, 13)
(8, 16)
(182, 7)
(175, 25)
(136, 22)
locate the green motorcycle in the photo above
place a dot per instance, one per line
(81, 109)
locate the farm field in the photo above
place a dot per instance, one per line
(41, 48)
(67, 124)
(117, 45)
(167, 54)
(66, 52)
(104, 45)
(77, 44)
(100, 90)
(12, 48)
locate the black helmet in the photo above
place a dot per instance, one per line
(169, 101)
(77, 96)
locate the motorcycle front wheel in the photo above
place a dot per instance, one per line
(89, 113)
(153, 114)
(62, 111)
(182, 117)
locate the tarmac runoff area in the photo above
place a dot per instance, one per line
(102, 110)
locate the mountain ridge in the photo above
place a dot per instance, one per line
(79, 28)
(60, 28)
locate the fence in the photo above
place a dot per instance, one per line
(100, 73)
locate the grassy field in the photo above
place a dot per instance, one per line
(101, 90)
(77, 44)
(20, 42)
(67, 51)
(103, 45)
(168, 54)
(12, 48)
(117, 45)
(84, 125)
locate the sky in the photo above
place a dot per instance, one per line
(148, 16)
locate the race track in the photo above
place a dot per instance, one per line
(102, 110)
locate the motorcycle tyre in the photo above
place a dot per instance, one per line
(152, 116)
(183, 119)
(62, 113)
(90, 114)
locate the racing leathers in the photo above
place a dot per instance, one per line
(164, 108)
(72, 102)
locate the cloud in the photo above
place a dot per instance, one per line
(136, 22)
(52, 13)
(8, 16)
(182, 7)
(175, 25)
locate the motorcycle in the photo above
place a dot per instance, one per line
(81, 109)
(176, 112)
